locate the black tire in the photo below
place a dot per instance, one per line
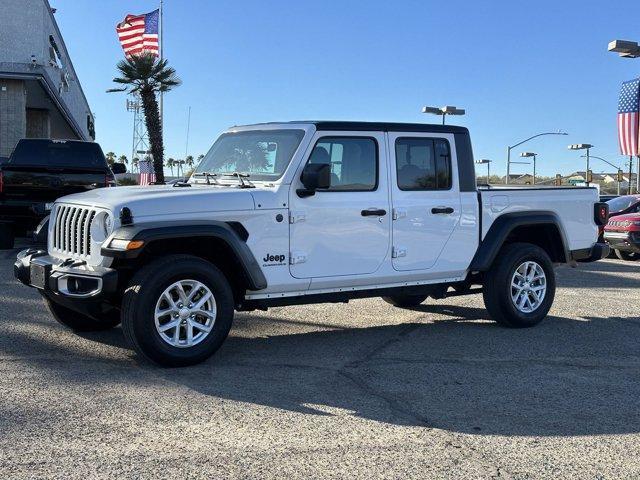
(405, 301)
(7, 237)
(629, 256)
(78, 322)
(144, 291)
(497, 285)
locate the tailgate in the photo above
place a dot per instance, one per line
(43, 184)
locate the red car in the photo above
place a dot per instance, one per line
(621, 206)
(622, 233)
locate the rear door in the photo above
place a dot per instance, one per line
(344, 230)
(425, 196)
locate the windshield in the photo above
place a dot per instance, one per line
(263, 154)
(621, 203)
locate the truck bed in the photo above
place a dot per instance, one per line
(567, 202)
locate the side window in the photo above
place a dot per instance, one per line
(353, 161)
(423, 164)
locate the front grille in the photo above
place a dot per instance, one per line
(72, 230)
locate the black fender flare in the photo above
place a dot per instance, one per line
(153, 231)
(503, 226)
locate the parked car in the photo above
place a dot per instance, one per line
(620, 206)
(622, 233)
(40, 171)
(307, 212)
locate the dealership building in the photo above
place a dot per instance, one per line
(40, 93)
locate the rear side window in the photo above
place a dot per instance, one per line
(353, 161)
(58, 154)
(423, 164)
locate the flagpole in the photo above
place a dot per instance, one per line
(161, 35)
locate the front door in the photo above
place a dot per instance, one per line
(425, 197)
(344, 230)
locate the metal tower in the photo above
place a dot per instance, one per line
(140, 146)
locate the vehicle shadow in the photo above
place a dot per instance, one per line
(462, 373)
(599, 275)
(565, 377)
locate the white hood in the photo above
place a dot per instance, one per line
(161, 200)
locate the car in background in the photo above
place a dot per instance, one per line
(621, 206)
(38, 172)
(624, 204)
(622, 233)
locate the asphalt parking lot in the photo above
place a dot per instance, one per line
(362, 390)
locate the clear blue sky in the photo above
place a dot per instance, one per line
(517, 70)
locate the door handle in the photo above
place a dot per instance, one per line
(373, 212)
(446, 210)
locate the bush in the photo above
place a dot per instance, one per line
(127, 181)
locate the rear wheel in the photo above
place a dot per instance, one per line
(7, 236)
(178, 310)
(405, 301)
(629, 256)
(81, 323)
(519, 288)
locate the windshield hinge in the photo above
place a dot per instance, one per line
(296, 217)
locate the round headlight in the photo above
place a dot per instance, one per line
(101, 227)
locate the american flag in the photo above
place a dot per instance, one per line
(139, 33)
(147, 173)
(628, 115)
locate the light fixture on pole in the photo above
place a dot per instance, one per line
(444, 111)
(534, 155)
(619, 172)
(625, 48)
(486, 162)
(509, 162)
(583, 146)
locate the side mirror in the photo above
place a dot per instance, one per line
(315, 176)
(118, 168)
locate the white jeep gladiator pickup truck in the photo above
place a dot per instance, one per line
(306, 212)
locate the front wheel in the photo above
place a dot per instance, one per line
(519, 288)
(177, 310)
(629, 256)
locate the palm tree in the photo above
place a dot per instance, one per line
(123, 159)
(170, 163)
(111, 158)
(146, 75)
(189, 161)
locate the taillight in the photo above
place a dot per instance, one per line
(601, 213)
(109, 180)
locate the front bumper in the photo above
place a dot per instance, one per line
(624, 241)
(597, 251)
(66, 279)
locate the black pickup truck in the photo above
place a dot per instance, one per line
(38, 172)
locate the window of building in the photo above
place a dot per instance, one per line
(353, 161)
(423, 164)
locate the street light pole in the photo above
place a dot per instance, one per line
(487, 163)
(619, 170)
(534, 155)
(587, 147)
(506, 180)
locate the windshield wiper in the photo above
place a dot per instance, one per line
(242, 183)
(207, 175)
